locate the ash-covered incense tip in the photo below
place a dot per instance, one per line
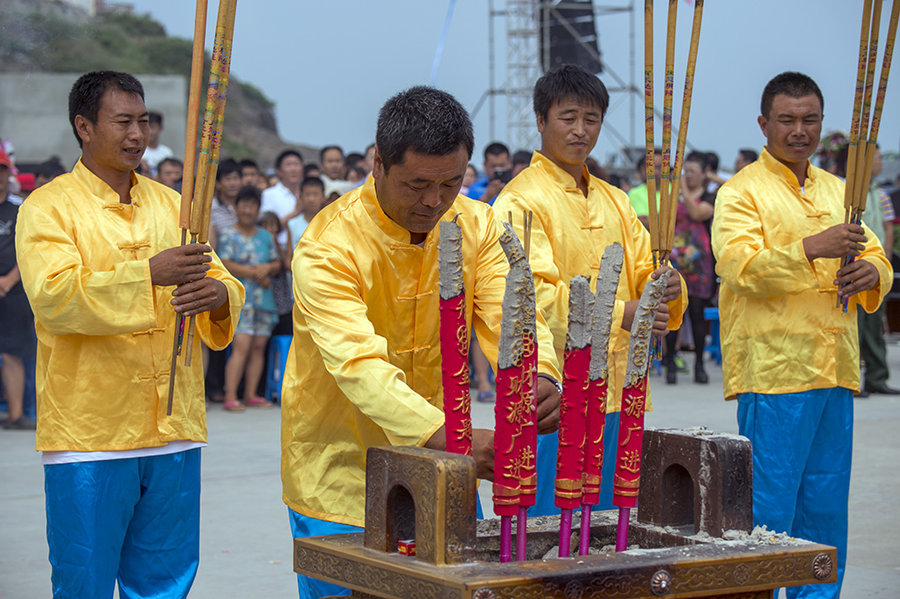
(642, 327)
(607, 286)
(581, 306)
(450, 260)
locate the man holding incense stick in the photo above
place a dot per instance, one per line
(102, 267)
(576, 215)
(365, 367)
(790, 356)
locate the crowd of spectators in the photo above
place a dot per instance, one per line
(258, 214)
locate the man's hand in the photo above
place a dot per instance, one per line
(547, 397)
(835, 242)
(661, 321)
(205, 295)
(859, 275)
(179, 265)
(494, 187)
(673, 285)
(482, 449)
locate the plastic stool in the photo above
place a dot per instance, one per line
(714, 348)
(278, 354)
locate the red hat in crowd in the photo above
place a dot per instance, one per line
(26, 181)
(4, 158)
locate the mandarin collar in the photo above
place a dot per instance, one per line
(562, 177)
(101, 190)
(774, 166)
(373, 208)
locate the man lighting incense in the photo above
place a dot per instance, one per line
(102, 266)
(365, 366)
(576, 215)
(789, 357)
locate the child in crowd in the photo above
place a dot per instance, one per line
(250, 254)
(312, 199)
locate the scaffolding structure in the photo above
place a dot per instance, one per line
(525, 64)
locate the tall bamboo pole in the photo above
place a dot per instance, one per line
(190, 157)
(685, 114)
(857, 109)
(650, 153)
(228, 7)
(665, 200)
(879, 102)
(863, 149)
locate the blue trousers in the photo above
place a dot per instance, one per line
(802, 447)
(135, 520)
(547, 448)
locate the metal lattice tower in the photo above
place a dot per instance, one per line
(524, 67)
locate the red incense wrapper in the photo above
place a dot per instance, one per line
(512, 460)
(572, 420)
(593, 443)
(626, 481)
(526, 445)
(455, 375)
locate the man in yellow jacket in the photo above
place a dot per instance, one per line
(790, 356)
(365, 367)
(99, 263)
(577, 215)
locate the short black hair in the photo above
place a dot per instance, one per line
(312, 182)
(312, 166)
(169, 160)
(748, 155)
(712, 160)
(641, 163)
(247, 162)
(51, 168)
(248, 193)
(352, 159)
(521, 157)
(495, 148)
(569, 80)
(331, 147)
(226, 167)
(87, 93)
(701, 157)
(791, 84)
(425, 120)
(155, 118)
(284, 154)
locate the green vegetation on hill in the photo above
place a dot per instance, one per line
(43, 36)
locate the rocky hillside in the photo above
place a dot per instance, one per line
(49, 36)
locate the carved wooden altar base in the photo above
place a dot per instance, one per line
(429, 496)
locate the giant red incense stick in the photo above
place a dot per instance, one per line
(626, 480)
(573, 406)
(601, 325)
(515, 431)
(454, 341)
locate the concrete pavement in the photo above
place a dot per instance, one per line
(245, 535)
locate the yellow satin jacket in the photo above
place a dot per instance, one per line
(364, 368)
(568, 236)
(781, 330)
(104, 331)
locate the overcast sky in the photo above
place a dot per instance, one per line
(329, 66)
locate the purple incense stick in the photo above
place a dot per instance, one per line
(521, 533)
(585, 537)
(565, 532)
(622, 530)
(505, 539)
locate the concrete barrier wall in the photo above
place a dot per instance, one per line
(34, 113)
